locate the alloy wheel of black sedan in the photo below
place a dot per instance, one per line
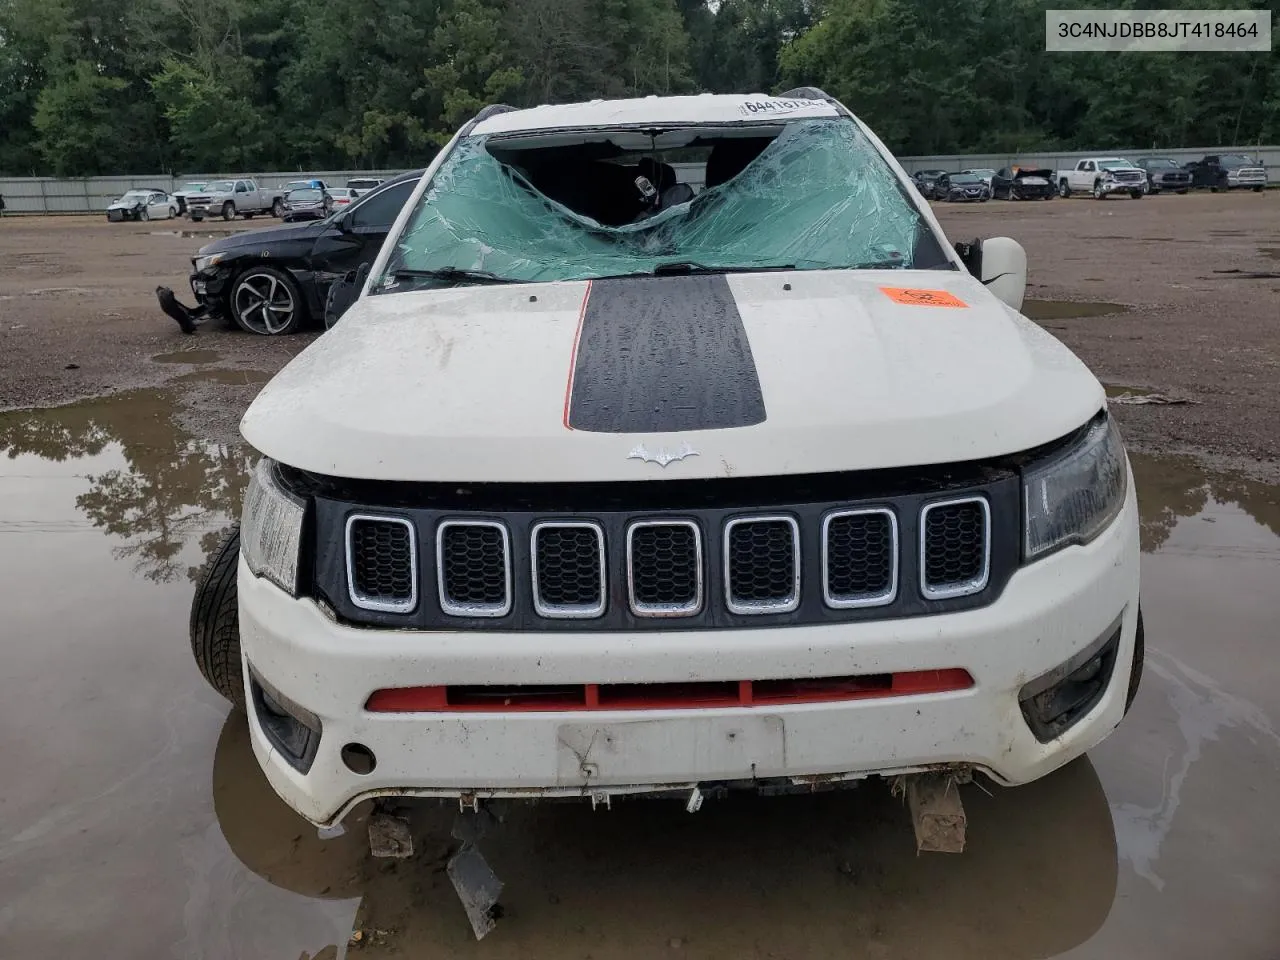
(267, 302)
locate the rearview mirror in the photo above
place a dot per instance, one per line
(1001, 264)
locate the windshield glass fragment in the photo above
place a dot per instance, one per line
(809, 194)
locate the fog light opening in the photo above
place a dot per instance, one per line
(359, 759)
(292, 729)
(1055, 702)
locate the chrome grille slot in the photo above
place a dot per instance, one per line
(568, 569)
(382, 563)
(473, 568)
(955, 547)
(762, 565)
(860, 558)
(664, 568)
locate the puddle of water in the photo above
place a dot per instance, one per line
(1118, 390)
(188, 356)
(107, 510)
(232, 377)
(1069, 309)
(192, 234)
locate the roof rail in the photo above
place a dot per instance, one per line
(492, 110)
(806, 93)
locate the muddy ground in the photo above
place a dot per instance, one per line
(1185, 298)
(134, 821)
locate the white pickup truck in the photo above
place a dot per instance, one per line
(226, 198)
(1102, 176)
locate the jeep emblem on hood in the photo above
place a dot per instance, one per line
(662, 456)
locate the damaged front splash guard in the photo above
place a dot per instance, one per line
(188, 318)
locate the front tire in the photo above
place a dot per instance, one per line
(267, 301)
(1139, 660)
(143, 215)
(1257, 189)
(173, 212)
(277, 209)
(214, 626)
(1064, 189)
(1098, 193)
(1136, 194)
(228, 211)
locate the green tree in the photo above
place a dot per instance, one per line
(470, 65)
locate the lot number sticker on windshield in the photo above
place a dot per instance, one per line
(922, 298)
(772, 106)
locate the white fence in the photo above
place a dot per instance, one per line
(93, 194)
(1270, 157)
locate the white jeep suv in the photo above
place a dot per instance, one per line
(669, 444)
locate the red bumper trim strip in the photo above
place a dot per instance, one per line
(664, 696)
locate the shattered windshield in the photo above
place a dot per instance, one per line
(808, 194)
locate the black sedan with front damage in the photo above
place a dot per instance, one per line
(1017, 182)
(962, 187)
(276, 281)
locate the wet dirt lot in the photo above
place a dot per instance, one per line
(134, 822)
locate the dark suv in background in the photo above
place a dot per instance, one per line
(1228, 171)
(1163, 174)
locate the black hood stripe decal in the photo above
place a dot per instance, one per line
(660, 355)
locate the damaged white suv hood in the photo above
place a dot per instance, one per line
(672, 377)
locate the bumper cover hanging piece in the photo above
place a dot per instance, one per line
(188, 318)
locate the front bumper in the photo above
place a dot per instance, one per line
(210, 288)
(1246, 181)
(1121, 186)
(1050, 611)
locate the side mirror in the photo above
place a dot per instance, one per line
(343, 293)
(1001, 264)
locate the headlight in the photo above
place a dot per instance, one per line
(1071, 498)
(204, 263)
(271, 528)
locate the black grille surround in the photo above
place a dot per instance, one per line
(707, 505)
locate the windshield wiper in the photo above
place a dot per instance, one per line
(451, 275)
(682, 267)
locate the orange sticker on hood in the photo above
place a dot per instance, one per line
(922, 298)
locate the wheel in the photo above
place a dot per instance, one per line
(1136, 194)
(266, 301)
(215, 628)
(1257, 189)
(173, 212)
(143, 215)
(228, 211)
(1064, 189)
(1213, 189)
(277, 209)
(1147, 188)
(1139, 659)
(1097, 191)
(1181, 192)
